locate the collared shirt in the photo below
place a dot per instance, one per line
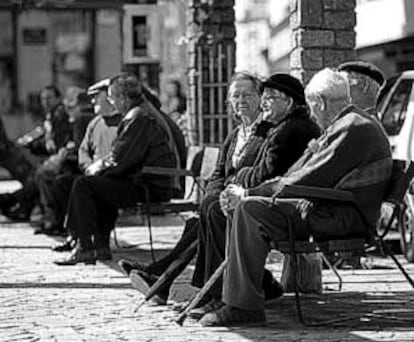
(243, 136)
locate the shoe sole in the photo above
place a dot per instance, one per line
(139, 283)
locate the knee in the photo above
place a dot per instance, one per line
(247, 206)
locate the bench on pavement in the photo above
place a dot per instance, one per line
(402, 173)
(201, 162)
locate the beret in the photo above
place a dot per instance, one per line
(364, 68)
(287, 84)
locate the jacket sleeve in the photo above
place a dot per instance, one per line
(336, 156)
(131, 146)
(276, 158)
(216, 182)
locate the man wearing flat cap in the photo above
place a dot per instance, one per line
(365, 81)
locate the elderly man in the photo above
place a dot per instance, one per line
(115, 181)
(351, 147)
(365, 81)
(95, 144)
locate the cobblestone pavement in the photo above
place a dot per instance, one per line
(43, 302)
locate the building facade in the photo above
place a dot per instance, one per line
(75, 42)
(384, 34)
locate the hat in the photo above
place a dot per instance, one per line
(98, 87)
(73, 95)
(364, 68)
(287, 84)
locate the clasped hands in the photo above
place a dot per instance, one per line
(230, 197)
(99, 165)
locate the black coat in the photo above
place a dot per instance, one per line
(284, 144)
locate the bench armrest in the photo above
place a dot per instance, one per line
(314, 192)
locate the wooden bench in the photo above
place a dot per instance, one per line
(402, 174)
(201, 163)
(401, 177)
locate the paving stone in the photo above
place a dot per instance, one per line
(40, 301)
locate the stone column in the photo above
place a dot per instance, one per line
(211, 57)
(323, 35)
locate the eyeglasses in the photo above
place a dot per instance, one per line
(272, 98)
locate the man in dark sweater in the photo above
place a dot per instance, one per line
(353, 153)
(116, 180)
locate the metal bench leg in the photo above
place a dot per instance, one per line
(295, 271)
(148, 214)
(333, 269)
(388, 251)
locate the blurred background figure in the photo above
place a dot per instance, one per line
(55, 131)
(175, 105)
(96, 144)
(65, 161)
(44, 140)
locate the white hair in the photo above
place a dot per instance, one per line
(328, 84)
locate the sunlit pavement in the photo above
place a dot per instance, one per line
(40, 301)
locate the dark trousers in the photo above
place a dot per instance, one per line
(94, 202)
(212, 247)
(188, 236)
(211, 243)
(61, 188)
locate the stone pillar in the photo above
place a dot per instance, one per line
(211, 60)
(323, 35)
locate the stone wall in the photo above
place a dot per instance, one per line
(323, 35)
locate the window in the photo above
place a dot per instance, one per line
(396, 110)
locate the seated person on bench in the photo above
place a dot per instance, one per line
(286, 129)
(352, 141)
(115, 181)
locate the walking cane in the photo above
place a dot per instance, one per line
(217, 273)
(170, 273)
(210, 282)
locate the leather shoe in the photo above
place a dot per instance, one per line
(50, 232)
(230, 316)
(65, 246)
(142, 282)
(18, 212)
(212, 305)
(88, 257)
(127, 266)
